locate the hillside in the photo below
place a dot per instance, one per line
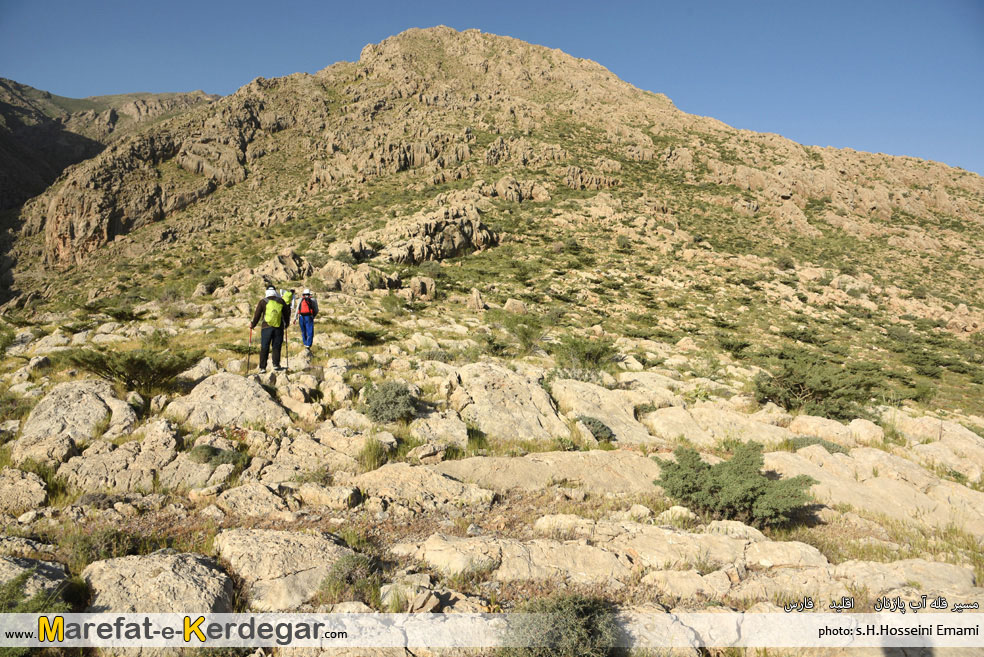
(41, 134)
(533, 278)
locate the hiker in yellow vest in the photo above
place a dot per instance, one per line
(274, 313)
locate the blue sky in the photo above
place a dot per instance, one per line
(900, 77)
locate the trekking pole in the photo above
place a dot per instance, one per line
(249, 349)
(287, 348)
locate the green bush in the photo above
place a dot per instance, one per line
(807, 382)
(215, 457)
(565, 625)
(584, 353)
(6, 339)
(14, 407)
(797, 443)
(598, 429)
(390, 402)
(733, 344)
(393, 304)
(145, 370)
(735, 489)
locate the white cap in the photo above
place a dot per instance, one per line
(306, 291)
(271, 292)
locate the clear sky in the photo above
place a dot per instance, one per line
(904, 77)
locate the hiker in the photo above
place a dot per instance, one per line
(274, 313)
(307, 310)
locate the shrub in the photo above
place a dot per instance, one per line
(735, 489)
(797, 443)
(734, 345)
(393, 304)
(583, 353)
(529, 334)
(623, 242)
(598, 429)
(14, 407)
(390, 402)
(6, 339)
(14, 600)
(565, 625)
(145, 370)
(350, 578)
(808, 382)
(215, 457)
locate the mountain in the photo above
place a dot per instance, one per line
(41, 134)
(532, 278)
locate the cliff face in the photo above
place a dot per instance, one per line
(42, 134)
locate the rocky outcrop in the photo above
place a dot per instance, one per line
(227, 400)
(596, 472)
(72, 412)
(285, 266)
(281, 569)
(420, 488)
(577, 178)
(158, 583)
(45, 577)
(884, 484)
(360, 279)
(445, 233)
(615, 408)
(21, 491)
(505, 404)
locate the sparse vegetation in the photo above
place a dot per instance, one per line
(566, 625)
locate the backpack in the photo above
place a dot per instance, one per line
(274, 313)
(307, 308)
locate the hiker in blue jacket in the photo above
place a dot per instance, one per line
(274, 313)
(307, 310)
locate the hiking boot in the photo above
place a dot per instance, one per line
(279, 369)
(262, 370)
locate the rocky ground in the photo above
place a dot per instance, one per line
(569, 276)
(276, 492)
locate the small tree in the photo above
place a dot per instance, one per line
(736, 489)
(145, 370)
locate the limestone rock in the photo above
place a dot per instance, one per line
(21, 491)
(282, 569)
(252, 500)
(596, 472)
(440, 428)
(420, 487)
(505, 404)
(161, 582)
(672, 423)
(227, 400)
(70, 413)
(613, 407)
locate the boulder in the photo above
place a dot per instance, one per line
(832, 430)
(673, 423)
(161, 582)
(724, 424)
(203, 369)
(440, 428)
(252, 500)
(505, 404)
(281, 569)
(227, 400)
(615, 408)
(21, 491)
(72, 412)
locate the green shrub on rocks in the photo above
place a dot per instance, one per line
(736, 489)
(391, 401)
(215, 457)
(145, 370)
(579, 353)
(598, 429)
(565, 625)
(807, 382)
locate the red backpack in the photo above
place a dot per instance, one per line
(306, 308)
